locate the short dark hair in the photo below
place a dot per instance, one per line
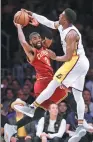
(33, 34)
(85, 89)
(9, 88)
(70, 15)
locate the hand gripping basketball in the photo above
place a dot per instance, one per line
(32, 20)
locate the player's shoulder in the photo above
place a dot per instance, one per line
(72, 35)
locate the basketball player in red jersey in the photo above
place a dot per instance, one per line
(37, 54)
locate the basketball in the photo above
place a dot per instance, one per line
(22, 18)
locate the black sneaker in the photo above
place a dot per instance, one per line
(27, 110)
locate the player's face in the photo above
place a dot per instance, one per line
(62, 18)
(36, 41)
(53, 110)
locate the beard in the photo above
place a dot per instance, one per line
(38, 45)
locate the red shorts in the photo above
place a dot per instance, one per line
(57, 97)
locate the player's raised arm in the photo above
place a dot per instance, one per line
(27, 48)
(43, 20)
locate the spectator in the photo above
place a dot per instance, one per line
(29, 82)
(9, 78)
(9, 94)
(21, 132)
(4, 85)
(8, 99)
(4, 120)
(4, 81)
(11, 112)
(28, 72)
(28, 95)
(63, 109)
(88, 117)
(89, 86)
(89, 83)
(31, 130)
(15, 85)
(20, 94)
(87, 99)
(52, 127)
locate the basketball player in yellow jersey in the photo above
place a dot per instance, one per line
(72, 73)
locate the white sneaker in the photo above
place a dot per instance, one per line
(27, 110)
(80, 132)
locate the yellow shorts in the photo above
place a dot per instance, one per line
(65, 69)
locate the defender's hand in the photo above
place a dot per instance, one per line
(33, 21)
(27, 11)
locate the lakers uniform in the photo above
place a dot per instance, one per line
(72, 73)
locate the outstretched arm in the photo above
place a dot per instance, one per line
(43, 20)
(27, 48)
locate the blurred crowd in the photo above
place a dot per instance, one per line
(57, 124)
(19, 82)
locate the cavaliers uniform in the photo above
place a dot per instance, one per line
(72, 73)
(44, 74)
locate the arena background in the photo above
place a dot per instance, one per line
(14, 68)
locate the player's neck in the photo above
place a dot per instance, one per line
(65, 26)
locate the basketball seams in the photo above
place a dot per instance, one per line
(21, 18)
(18, 17)
(24, 19)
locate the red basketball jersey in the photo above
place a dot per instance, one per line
(42, 64)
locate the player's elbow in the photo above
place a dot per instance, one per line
(69, 58)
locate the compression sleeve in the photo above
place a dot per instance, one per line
(43, 20)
